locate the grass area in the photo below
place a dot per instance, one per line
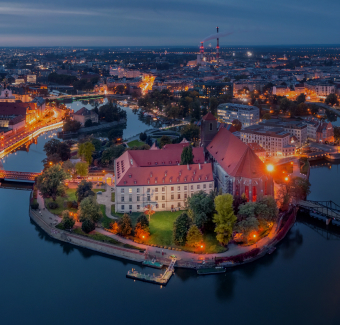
(103, 238)
(105, 221)
(113, 196)
(135, 143)
(98, 190)
(70, 196)
(161, 227)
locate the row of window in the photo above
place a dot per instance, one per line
(148, 190)
(156, 206)
(148, 198)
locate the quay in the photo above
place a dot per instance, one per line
(211, 270)
(162, 279)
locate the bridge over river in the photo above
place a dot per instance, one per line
(327, 209)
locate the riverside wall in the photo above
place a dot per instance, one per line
(84, 242)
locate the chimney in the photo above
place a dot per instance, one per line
(188, 166)
(201, 48)
(199, 166)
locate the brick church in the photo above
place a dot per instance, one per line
(236, 168)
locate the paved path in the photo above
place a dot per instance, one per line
(162, 252)
(105, 198)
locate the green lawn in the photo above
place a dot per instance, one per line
(135, 143)
(70, 196)
(105, 221)
(113, 196)
(161, 227)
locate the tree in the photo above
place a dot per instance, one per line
(142, 227)
(50, 182)
(238, 200)
(301, 98)
(298, 188)
(125, 225)
(148, 211)
(115, 134)
(88, 123)
(246, 210)
(69, 167)
(213, 103)
(266, 116)
(266, 209)
(201, 208)
(112, 153)
(82, 168)
(237, 124)
(180, 229)
(88, 226)
(97, 144)
(246, 226)
(194, 236)
(67, 220)
(84, 190)
(71, 126)
(143, 136)
(224, 218)
(89, 209)
(191, 132)
(284, 104)
(165, 140)
(86, 151)
(51, 147)
(195, 109)
(187, 156)
(332, 99)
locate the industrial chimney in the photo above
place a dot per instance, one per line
(202, 48)
(218, 48)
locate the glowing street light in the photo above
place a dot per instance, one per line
(270, 167)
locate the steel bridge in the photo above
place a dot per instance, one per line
(18, 176)
(327, 209)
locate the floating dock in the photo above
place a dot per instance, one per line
(211, 270)
(153, 264)
(162, 279)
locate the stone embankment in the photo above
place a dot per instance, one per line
(82, 241)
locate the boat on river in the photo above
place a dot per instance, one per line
(153, 263)
(211, 270)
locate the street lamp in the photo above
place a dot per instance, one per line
(270, 167)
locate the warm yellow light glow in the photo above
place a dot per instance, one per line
(270, 167)
(286, 179)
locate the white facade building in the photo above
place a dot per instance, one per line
(247, 115)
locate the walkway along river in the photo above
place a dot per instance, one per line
(44, 281)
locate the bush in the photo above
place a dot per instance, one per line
(88, 123)
(53, 205)
(72, 205)
(35, 205)
(88, 226)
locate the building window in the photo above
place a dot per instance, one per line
(122, 199)
(156, 197)
(137, 190)
(179, 204)
(178, 188)
(198, 187)
(210, 185)
(179, 196)
(122, 207)
(185, 195)
(163, 197)
(192, 187)
(172, 188)
(130, 207)
(210, 127)
(138, 207)
(163, 189)
(130, 190)
(138, 198)
(185, 188)
(156, 189)
(148, 198)
(172, 197)
(130, 198)
(148, 190)
(157, 206)
(121, 190)
(204, 185)
(163, 205)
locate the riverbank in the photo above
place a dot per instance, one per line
(236, 255)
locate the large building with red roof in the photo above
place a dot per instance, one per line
(155, 177)
(236, 167)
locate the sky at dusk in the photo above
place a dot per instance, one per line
(167, 22)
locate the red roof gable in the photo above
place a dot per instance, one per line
(166, 175)
(234, 156)
(209, 117)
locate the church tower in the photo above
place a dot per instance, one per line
(208, 129)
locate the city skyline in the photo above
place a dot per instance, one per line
(175, 23)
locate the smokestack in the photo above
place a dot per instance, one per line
(202, 48)
(218, 48)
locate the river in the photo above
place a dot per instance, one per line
(135, 123)
(43, 281)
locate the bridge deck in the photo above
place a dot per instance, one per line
(320, 208)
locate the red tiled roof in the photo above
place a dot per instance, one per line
(16, 120)
(83, 111)
(9, 109)
(132, 159)
(234, 156)
(255, 147)
(208, 117)
(175, 146)
(167, 175)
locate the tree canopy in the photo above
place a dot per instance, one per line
(86, 150)
(180, 229)
(187, 156)
(89, 209)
